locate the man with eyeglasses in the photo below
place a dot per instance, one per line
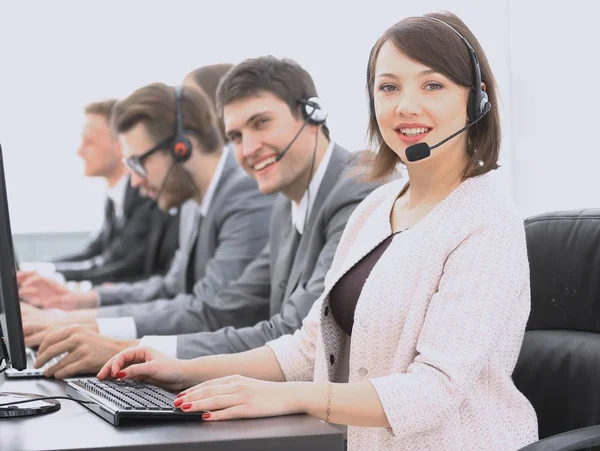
(228, 227)
(120, 250)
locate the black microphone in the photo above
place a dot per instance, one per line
(284, 151)
(422, 150)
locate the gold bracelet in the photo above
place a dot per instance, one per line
(328, 403)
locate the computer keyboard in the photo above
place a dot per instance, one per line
(121, 400)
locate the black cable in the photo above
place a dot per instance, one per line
(310, 174)
(44, 398)
(162, 185)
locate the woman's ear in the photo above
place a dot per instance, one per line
(483, 86)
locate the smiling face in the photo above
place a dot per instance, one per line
(414, 103)
(260, 127)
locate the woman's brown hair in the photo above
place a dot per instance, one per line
(435, 45)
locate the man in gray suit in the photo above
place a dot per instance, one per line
(224, 227)
(280, 138)
(52, 295)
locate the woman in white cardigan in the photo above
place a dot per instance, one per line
(417, 333)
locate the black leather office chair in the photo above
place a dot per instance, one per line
(559, 366)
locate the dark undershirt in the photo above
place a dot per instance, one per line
(344, 295)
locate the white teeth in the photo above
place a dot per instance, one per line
(263, 164)
(413, 131)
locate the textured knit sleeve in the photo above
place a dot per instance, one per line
(296, 352)
(482, 299)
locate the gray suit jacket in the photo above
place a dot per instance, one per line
(275, 285)
(229, 237)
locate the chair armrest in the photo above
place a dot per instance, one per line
(568, 441)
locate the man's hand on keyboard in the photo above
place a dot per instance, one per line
(147, 364)
(36, 289)
(47, 293)
(87, 351)
(38, 323)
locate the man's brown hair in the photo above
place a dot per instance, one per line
(208, 78)
(281, 77)
(154, 105)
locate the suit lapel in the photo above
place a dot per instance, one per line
(132, 198)
(159, 223)
(195, 234)
(193, 254)
(332, 174)
(229, 167)
(281, 234)
(108, 229)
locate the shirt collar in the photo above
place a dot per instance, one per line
(212, 186)
(116, 194)
(301, 210)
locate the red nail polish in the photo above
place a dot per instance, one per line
(121, 374)
(180, 395)
(178, 402)
(206, 415)
(187, 405)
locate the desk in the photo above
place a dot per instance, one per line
(74, 427)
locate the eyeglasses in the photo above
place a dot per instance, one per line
(136, 162)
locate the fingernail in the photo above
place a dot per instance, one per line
(180, 395)
(121, 374)
(206, 415)
(178, 402)
(187, 405)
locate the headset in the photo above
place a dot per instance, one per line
(478, 104)
(313, 111)
(181, 149)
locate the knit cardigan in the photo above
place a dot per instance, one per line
(438, 325)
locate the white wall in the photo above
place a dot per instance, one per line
(556, 101)
(59, 55)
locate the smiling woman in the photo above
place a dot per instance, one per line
(428, 290)
(451, 69)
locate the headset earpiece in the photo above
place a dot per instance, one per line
(182, 147)
(313, 111)
(478, 103)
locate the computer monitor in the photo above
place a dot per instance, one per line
(20, 404)
(9, 294)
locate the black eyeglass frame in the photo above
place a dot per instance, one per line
(136, 162)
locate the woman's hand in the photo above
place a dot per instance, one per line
(146, 364)
(235, 397)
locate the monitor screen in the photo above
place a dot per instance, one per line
(9, 293)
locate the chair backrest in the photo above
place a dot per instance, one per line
(559, 366)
